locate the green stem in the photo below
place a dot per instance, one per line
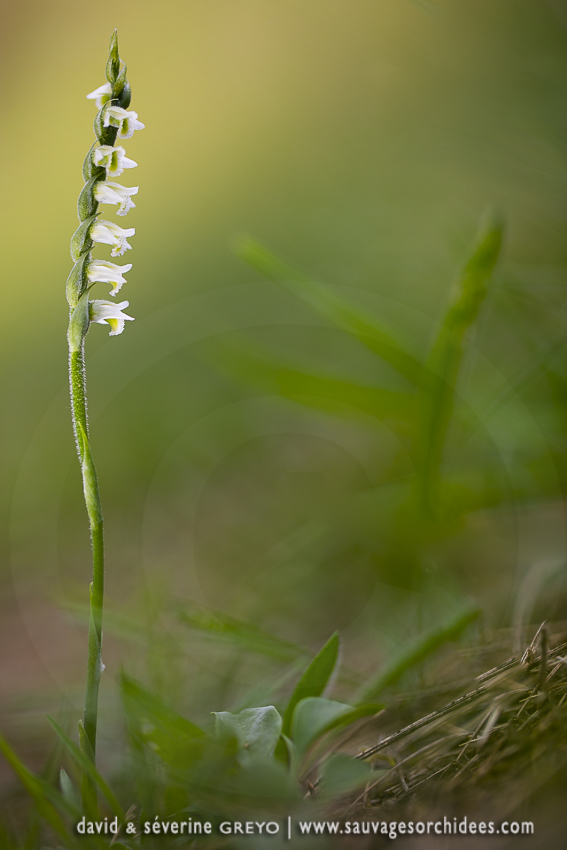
(92, 501)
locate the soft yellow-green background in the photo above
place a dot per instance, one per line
(361, 139)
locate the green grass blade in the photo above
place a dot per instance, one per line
(414, 654)
(332, 307)
(219, 626)
(153, 707)
(443, 364)
(46, 798)
(319, 391)
(87, 766)
(315, 678)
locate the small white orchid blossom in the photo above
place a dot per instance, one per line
(103, 271)
(109, 313)
(112, 234)
(125, 121)
(113, 193)
(113, 159)
(101, 95)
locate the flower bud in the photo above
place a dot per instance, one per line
(113, 63)
(121, 90)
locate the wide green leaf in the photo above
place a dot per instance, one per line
(314, 717)
(341, 774)
(257, 731)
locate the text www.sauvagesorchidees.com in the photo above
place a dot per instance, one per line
(391, 829)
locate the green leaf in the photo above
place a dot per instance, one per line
(442, 367)
(319, 390)
(314, 717)
(315, 678)
(177, 741)
(220, 626)
(69, 791)
(257, 731)
(88, 767)
(341, 774)
(329, 305)
(417, 652)
(45, 797)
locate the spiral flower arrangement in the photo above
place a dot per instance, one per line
(105, 161)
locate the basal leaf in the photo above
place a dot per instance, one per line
(257, 731)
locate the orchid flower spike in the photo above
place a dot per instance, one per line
(109, 313)
(125, 121)
(112, 234)
(114, 159)
(101, 95)
(103, 271)
(108, 192)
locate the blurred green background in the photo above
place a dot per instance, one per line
(362, 140)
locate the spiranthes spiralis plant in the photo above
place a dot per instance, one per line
(105, 160)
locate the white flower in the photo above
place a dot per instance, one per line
(125, 121)
(113, 159)
(103, 271)
(114, 193)
(112, 234)
(101, 95)
(106, 312)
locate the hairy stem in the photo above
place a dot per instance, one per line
(92, 501)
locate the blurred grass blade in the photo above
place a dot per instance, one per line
(46, 798)
(315, 678)
(332, 307)
(87, 767)
(442, 367)
(152, 707)
(69, 791)
(223, 627)
(319, 390)
(417, 652)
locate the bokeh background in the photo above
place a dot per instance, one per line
(362, 140)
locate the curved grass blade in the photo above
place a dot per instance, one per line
(442, 366)
(87, 767)
(318, 390)
(314, 680)
(349, 317)
(46, 798)
(416, 653)
(220, 626)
